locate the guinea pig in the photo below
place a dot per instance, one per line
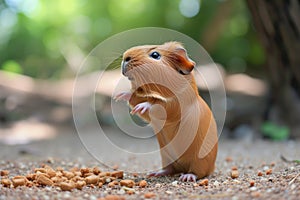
(164, 94)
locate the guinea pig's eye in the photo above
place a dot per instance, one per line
(155, 55)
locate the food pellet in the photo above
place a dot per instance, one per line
(66, 186)
(252, 183)
(234, 174)
(6, 182)
(259, 173)
(204, 182)
(143, 183)
(42, 179)
(269, 171)
(4, 172)
(149, 195)
(19, 181)
(92, 179)
(117, 174)
(127, 183)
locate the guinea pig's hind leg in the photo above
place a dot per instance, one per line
(125, 96)
(188, 177)
(141, 107)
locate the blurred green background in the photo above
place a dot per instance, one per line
(49, 39)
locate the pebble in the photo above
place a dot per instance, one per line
(175, 183)
(253, 188)
(157, 185)
(216, 183)
(121, 191)
(266, 168)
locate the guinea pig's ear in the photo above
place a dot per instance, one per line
(185, 64)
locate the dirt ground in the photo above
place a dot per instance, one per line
(262, 174)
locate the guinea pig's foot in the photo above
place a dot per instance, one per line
(163, 172)
(125, 96)
(188, 177)
(141, 107)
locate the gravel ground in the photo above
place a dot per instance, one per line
(245, 170)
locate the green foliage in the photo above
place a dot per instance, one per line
(274, 131)
(12, 66)
(48, 38)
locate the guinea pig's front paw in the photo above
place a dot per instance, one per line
(188, 177)
(141, 107)
(125, 96)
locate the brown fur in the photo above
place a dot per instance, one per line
(185, 121)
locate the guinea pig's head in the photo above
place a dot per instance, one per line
(170, 54)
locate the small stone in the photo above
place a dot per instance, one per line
(255, 194)
(253, 188)
(265, 168)
(234, 168)
(252, 183)
(121, 191)
(259, 173)
(174, 183)
(158, 185)
(228, 159)
(169, 192)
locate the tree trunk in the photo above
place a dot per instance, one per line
(277, 23)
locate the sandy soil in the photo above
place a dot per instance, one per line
(278, 180)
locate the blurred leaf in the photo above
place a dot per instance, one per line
(274, 131)
(12, 66)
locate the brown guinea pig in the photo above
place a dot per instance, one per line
(164, 93)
